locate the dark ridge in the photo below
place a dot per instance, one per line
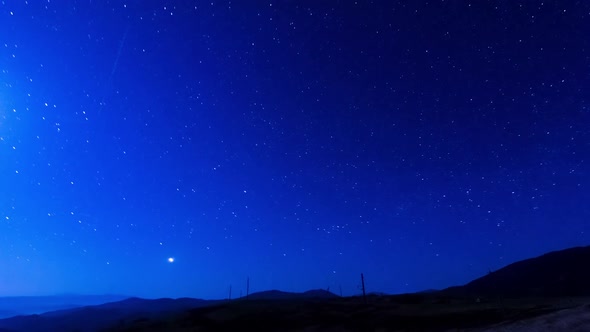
(558, 273)
(280, 295)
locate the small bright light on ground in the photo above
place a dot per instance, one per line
(171, 260)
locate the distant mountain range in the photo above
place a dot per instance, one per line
(99, 317)
(28, 305)
(559, 273)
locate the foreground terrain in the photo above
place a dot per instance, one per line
(380, 313)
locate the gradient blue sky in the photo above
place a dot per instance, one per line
(299, 143)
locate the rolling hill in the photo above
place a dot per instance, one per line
(558, 273)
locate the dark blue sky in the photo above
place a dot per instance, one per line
(299, 143)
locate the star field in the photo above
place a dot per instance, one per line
(169, 149)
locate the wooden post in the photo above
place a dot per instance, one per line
(363, 285)
(247, 287)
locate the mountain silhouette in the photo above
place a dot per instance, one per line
(552, 276)
(558, 273)
(98, 317)
(280, 295)
(28, 305)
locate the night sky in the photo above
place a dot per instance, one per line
(175, 148)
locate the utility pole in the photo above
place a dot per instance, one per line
(230, 292)
(340, 290)
(247, 287)
(363, 285)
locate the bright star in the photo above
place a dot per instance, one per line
(171, 260)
